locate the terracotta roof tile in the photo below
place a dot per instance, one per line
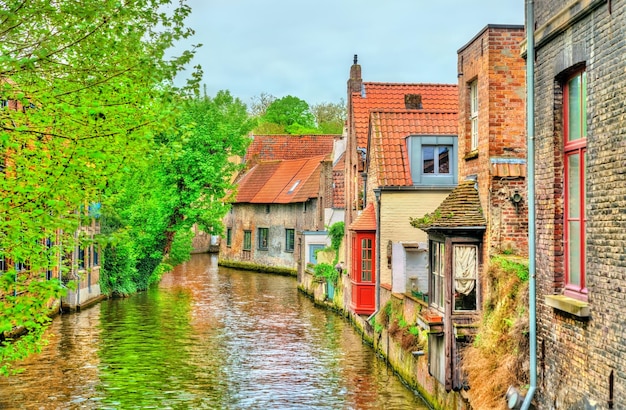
(339, 191)
(366, 221)
(376, 96)
(460, 209)
(281, 182)
(508, 167)
(280, 147)
(389, 130)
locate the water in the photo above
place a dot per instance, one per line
(206, 338)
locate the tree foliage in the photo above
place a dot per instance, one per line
(84, 86)
(330, 117)
(185, 180)
(291, 115)
(287, 115)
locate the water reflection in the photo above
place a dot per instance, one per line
(209, 338)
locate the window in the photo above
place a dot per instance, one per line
(437, 279)
(263, 236)
(289, 239)
(96, 255)
(433, 160)
(473, 97)
(436, 159)
(575, 150)
(366, 259)
(465, 266)
(81, 257)
(247, 240)
(229, 237)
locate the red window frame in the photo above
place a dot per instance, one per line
(575, 148)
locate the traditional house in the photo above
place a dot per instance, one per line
(486, 212)
(390, 127)
(580, 185)
(283, 203)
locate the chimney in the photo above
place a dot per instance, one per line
(355, 81)
(413, 101)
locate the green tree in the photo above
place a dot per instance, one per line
(185, 180)
(330, 117)
(291, 114)
(85, 85)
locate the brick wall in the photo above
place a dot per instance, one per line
(492, 58)
(577, 357)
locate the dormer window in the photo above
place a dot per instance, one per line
(433, 159)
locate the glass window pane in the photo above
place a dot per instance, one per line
(428, 160)
(444, 160)
(574, 108)
(573, 185)
(573, 256)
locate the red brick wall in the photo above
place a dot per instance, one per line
(493, 59)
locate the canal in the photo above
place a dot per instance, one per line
(206, 338)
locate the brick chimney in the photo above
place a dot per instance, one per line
(355, 81)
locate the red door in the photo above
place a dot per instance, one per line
(364, 276)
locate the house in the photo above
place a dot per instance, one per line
(390, 126)
(282, 206)
(580, 197)
(486, 213)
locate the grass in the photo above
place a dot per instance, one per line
(498, 357)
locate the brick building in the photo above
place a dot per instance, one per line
(580, 151)
(492, 131)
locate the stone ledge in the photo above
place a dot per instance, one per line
(570, 305)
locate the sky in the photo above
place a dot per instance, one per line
(305, 48)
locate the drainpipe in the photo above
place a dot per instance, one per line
(377, 303)
(530, 141)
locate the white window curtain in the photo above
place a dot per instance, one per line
(465, 268)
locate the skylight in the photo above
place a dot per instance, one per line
(293, 187)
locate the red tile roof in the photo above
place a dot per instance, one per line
(389, 130)
(281, 182)
(339, 191)
(366, 221)
(280, 147)
(377, 96)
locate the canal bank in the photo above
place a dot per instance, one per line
(398, 332)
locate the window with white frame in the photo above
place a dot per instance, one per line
(436, 292)
(473, 94)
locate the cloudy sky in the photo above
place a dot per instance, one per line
(305, 48)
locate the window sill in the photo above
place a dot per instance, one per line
(471, 155)
(570, 305)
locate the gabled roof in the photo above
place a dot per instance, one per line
(391, 96)
(281, 182)
(460, 209)
(388, 133)
(281, 147)
(366, 221)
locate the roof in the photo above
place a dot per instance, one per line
(388, 133)
(286, 147)
(377, 96)
(366, 221)
(460, 209)
(339, 191)
(281, 182)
